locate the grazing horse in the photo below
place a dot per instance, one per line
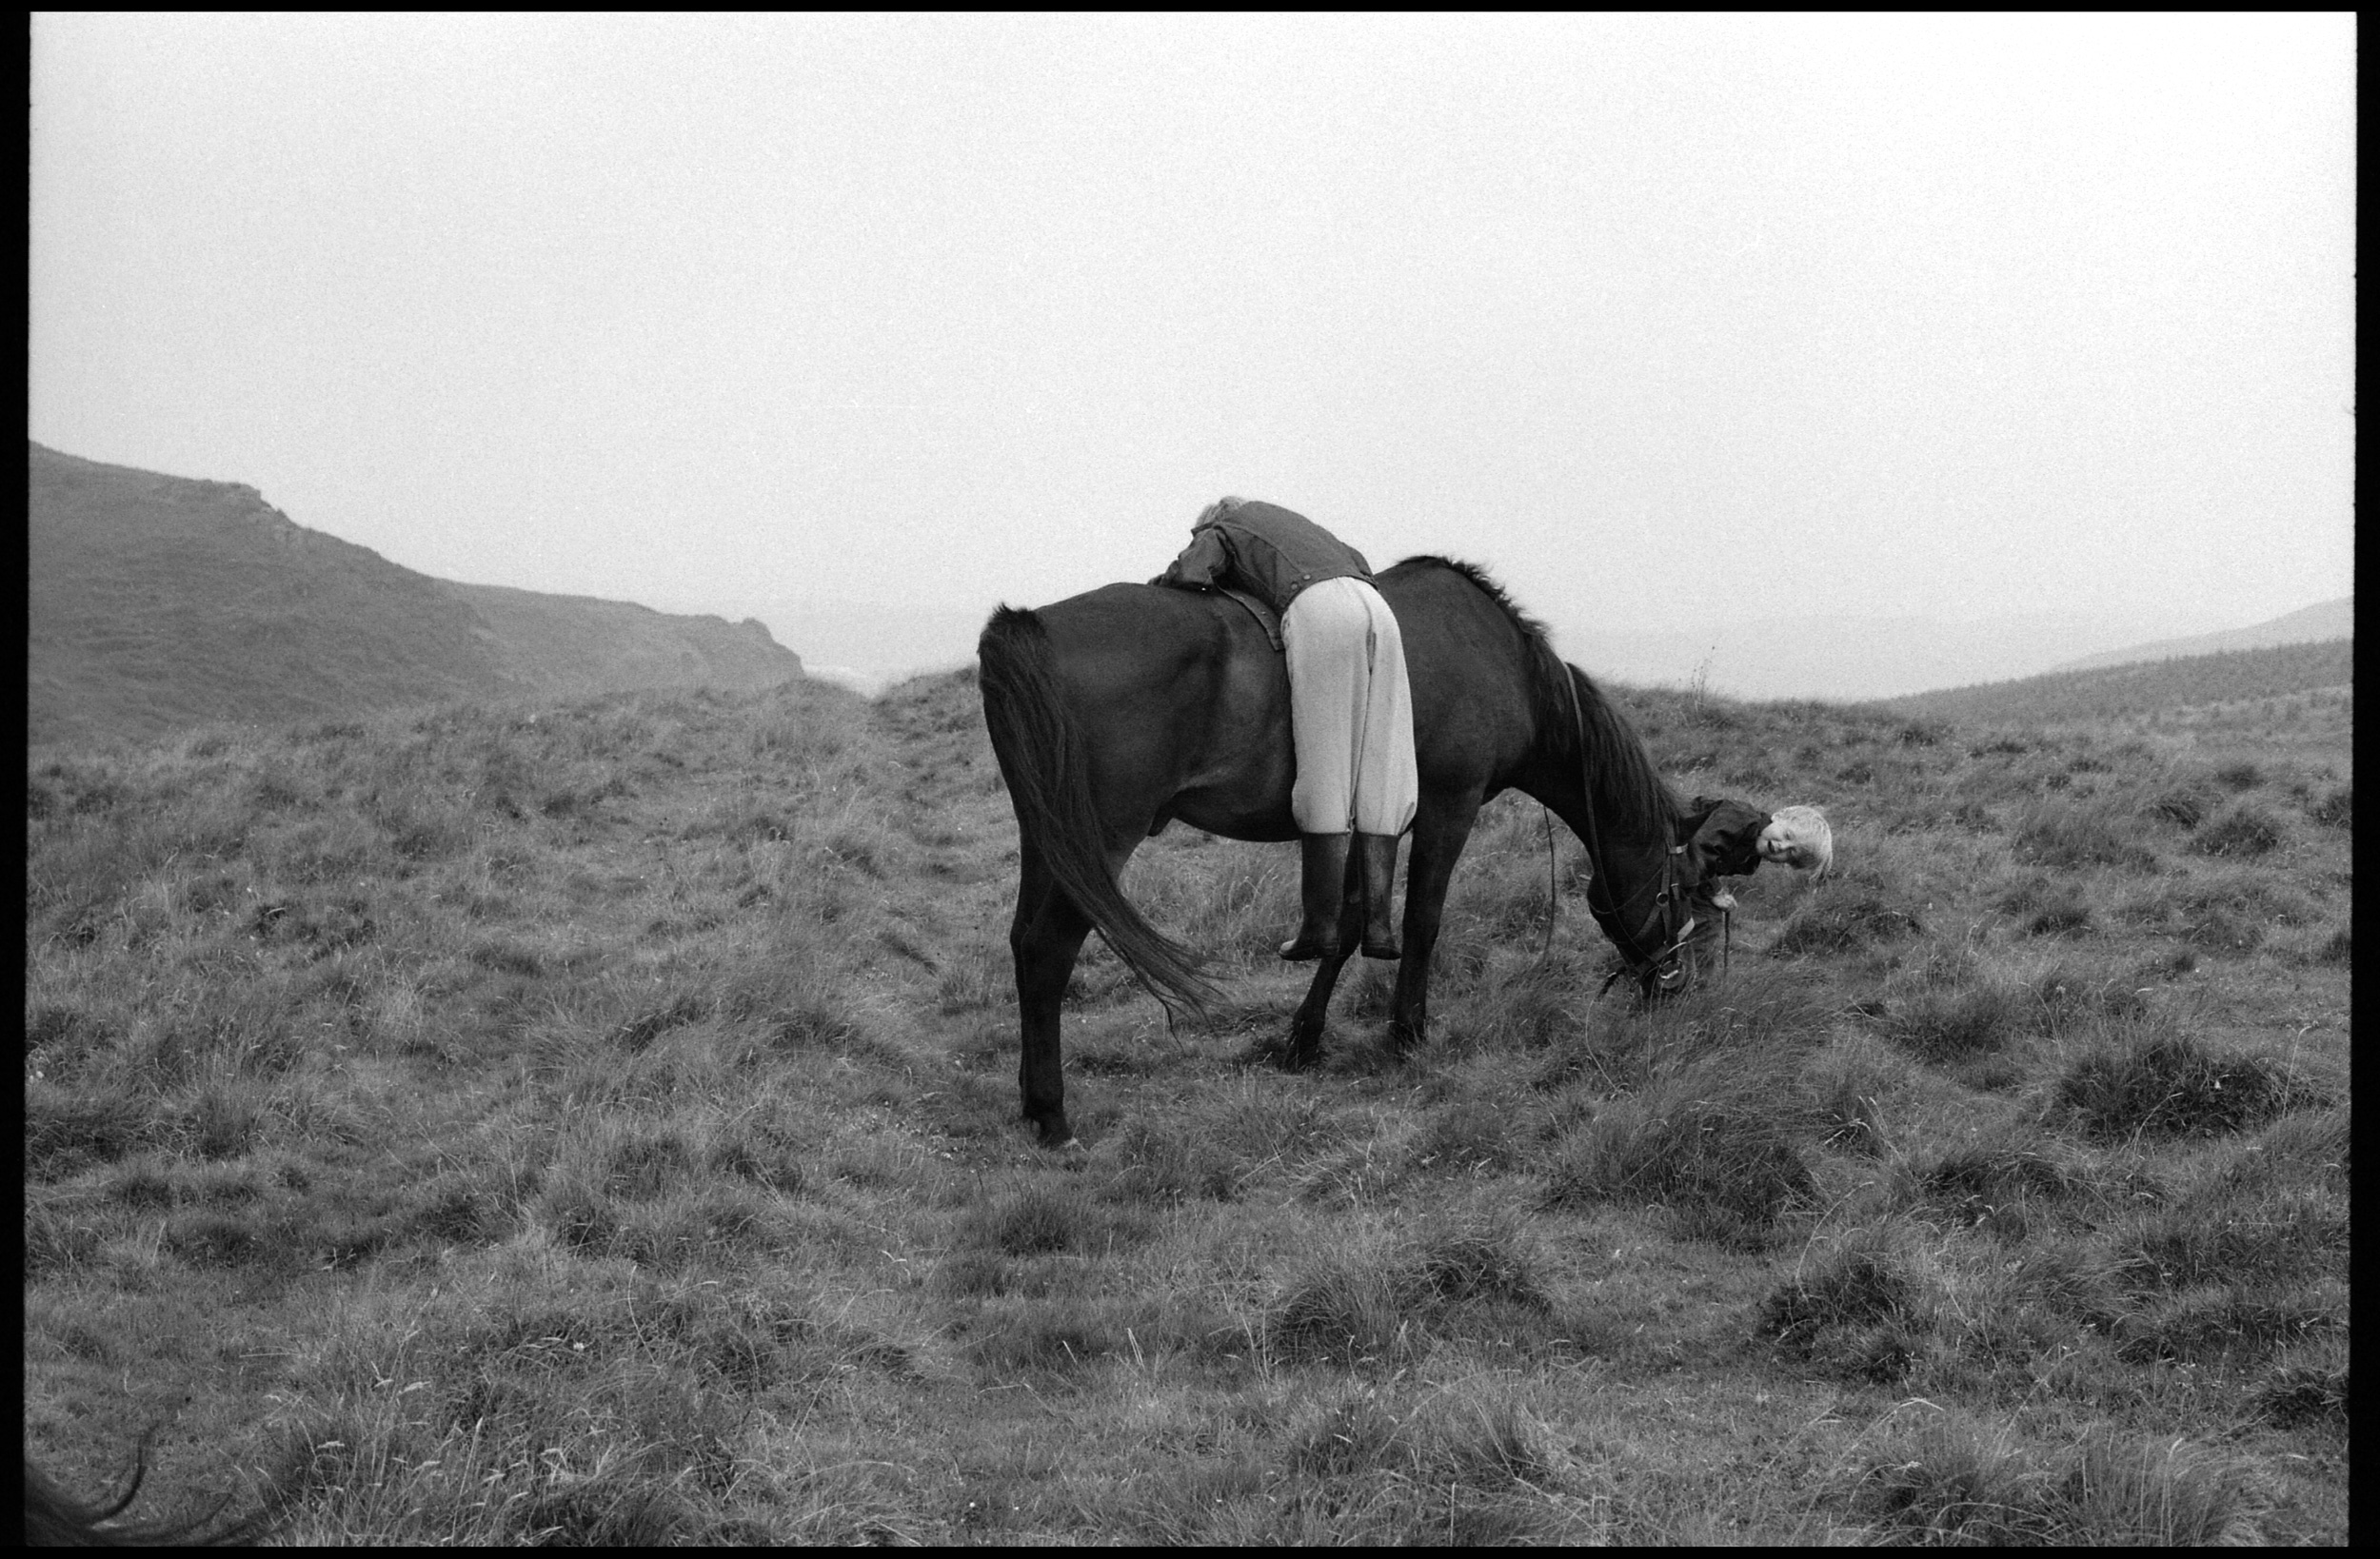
(1117, 711)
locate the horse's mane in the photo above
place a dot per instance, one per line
(1627, 786)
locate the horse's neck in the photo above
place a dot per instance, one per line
(1619, 852)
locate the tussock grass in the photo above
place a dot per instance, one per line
(597, 1124)
(2244, 830)
(2167, 1084)
(1383, 1304)
(2222, 1323)
(2310, 1389)
(1713, 1144)
(2276, 1232)
(1467, 1134)
(2077, 999)
(2073, 835)
(1352, 1312)
(1847, 921)
(1954, 1480)
(2005, 1184)
(1851, 1118)
(1853, 1308)
(2336, 809)
(1942, 1026)
(1165, 1164)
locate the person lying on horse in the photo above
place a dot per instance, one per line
(1351, 710)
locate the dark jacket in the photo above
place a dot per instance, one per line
(1264, 551)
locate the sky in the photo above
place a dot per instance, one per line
(1666, 319)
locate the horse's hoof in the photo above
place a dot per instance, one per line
(1307, 949)
(1300, 1057)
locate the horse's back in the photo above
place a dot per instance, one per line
(1186, 704)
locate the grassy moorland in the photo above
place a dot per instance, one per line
(596, 1124)
(2304, 690)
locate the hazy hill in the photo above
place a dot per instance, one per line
(158, 601)
(2148, 687)
(2326, 620)
(863, 644)
(1849, 657)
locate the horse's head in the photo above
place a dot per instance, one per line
(1712, 840)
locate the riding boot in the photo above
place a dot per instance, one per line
(1376, 856)
(1325, 885)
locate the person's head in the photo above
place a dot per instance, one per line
(1214, 511)
(1798, 835)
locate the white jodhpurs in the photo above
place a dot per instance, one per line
(1349, 711)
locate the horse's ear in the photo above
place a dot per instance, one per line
(1726, 837)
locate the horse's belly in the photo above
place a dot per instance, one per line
(1244, 800)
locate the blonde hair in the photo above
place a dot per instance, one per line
(1802, 838)
(1216, 510)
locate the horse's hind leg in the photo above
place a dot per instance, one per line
(1305, 1029)
(1045, 936)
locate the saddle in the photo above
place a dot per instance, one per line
(1266, 618)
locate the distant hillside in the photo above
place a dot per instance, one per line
(2326, 620)
(159, 602)
(566, 646)
(2145, 688)
(1844, 657)
(864, 644)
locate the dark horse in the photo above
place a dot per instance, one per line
(1114, 712)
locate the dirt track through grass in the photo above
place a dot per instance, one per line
(598, 1124)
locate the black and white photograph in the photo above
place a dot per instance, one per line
(1189, 779)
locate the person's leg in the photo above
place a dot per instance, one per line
(1323, 633)
(1386, 784)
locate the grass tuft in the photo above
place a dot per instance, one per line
(1948, 1026)
(1713, 1145)
(1850, 1310)
(65, 1131)
(2297, 1394)
(1953, 1483)
(2168, 1085)
(1844, 922)
(2218, 1323)
(2072, 835)
(2245, 831)
(1352, 1312)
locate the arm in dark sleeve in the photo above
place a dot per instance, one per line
(1201, 565)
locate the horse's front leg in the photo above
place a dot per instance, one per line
(1045, 936)
(1305, 1029)
(1440, 832)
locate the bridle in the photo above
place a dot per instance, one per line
(1666, 972)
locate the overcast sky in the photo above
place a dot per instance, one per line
(1657, 317)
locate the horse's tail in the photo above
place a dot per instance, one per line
(1046, 762)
